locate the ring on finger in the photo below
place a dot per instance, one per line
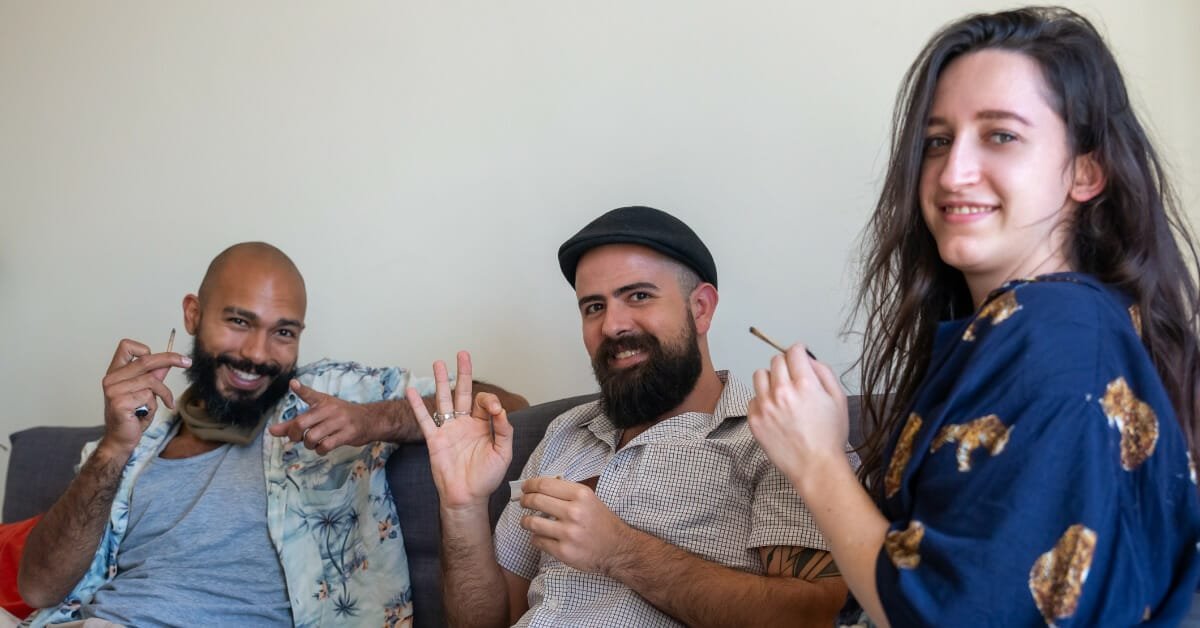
(304, 434)
(441, 417)
(461, 413)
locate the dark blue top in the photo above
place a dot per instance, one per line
(1041, 477)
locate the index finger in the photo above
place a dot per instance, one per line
(127, 351)
(424, 421)
(552, 486)
(157, 363)
(462, 385)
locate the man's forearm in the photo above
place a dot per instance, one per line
(400, 426)
(61, 547)
(698, 592)
(395, 417)
(473, 585)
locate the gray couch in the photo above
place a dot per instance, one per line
(43, 458)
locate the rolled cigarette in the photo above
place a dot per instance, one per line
(764, 338)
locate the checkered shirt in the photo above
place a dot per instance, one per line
(697, 481)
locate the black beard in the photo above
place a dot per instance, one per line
(644, 392)
(244, 409)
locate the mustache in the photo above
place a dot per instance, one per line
(610, 347)
(269, 369)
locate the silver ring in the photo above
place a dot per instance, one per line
(461, 413)
(441, 417)
(304, 434)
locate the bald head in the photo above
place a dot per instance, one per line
(250, 261)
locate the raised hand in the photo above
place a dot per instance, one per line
(470, 445)
(134, 379)
(799, 414)
(577, 528)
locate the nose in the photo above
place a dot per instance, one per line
(254, 347)
(961, 166)
(617, 321)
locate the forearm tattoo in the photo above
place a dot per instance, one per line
(800, 562)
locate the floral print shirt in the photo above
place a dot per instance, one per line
(331, 518)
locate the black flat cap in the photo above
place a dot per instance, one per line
(646, 226)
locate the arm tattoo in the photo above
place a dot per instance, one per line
(800, 562)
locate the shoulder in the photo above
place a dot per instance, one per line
(1051, 330)
(353, 381)
(1062, 302)
(565, 427)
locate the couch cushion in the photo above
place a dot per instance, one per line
(41, 466)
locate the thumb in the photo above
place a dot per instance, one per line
(306, 394)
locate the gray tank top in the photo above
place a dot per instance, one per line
(197, 551)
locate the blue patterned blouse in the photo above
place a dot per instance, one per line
(1041, 477)
(331, 518)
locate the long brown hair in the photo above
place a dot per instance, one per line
(1131, 236)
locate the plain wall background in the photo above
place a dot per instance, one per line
(422, 161)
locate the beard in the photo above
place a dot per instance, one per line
(243, 409)
(641, 393)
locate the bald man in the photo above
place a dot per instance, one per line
(170, 522)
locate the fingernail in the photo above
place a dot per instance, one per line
(187, 361)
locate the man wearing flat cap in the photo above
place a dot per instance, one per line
(652, 506)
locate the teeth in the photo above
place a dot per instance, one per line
(627, 354)
(242, 375)
(967, 209)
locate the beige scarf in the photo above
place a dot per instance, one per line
(198, 422)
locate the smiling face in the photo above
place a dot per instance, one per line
(247, 326)
(999, 182)
(640, 330)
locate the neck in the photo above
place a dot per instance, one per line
(703, 398)
(186, 444)
(981, 285)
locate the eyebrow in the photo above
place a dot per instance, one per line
(252, 317)
(641, 285)
(987, 114)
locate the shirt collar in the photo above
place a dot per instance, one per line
(689, 425)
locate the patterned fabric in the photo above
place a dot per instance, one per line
(331, 518)
(1041, 477)
(697, 481)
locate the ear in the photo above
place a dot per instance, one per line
(703, 302)
(191, 314)
(1090, 178)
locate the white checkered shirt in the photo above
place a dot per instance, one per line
(697, 481)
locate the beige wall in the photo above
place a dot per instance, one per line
(422, 161)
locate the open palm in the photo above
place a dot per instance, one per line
(469, 452)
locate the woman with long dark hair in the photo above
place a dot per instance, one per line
(1030, 362)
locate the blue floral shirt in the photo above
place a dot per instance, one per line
(331, 518)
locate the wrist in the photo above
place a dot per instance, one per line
(111, 451)
(822, 473)
(395, 420)
(464, 513)
(623, 555)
